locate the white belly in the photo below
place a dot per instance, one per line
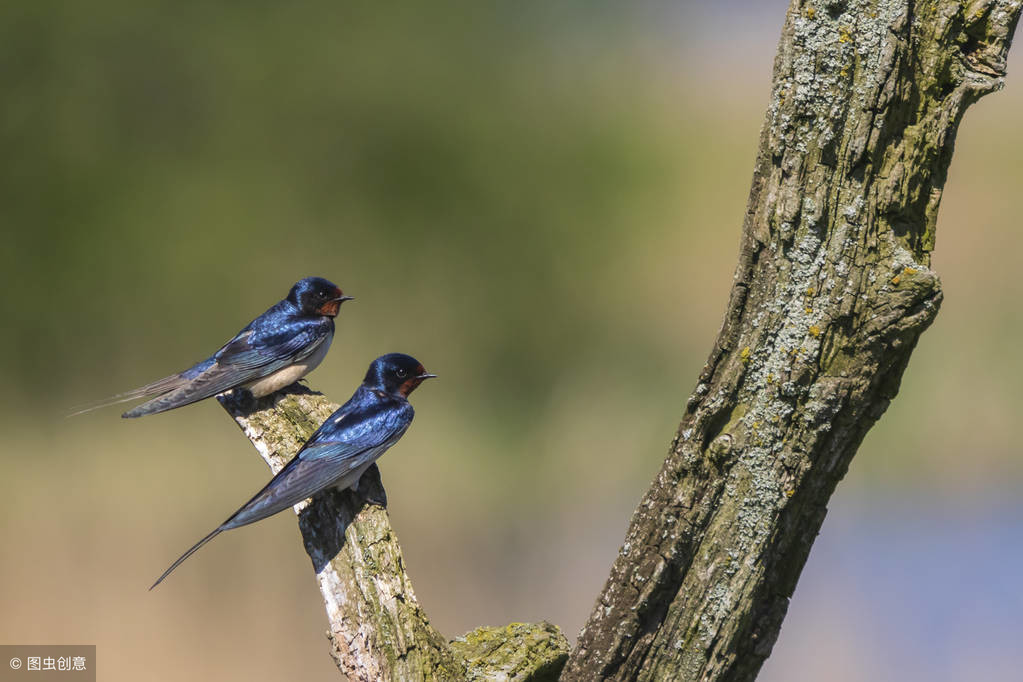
(290, 374)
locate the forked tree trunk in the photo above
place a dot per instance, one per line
(832, 290)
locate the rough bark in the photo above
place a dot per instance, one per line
(377, 630)
(832, 290)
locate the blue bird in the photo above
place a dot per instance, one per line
(344, 446)
(274, 350)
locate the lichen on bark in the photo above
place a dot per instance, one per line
(497, 653)
(832, 290)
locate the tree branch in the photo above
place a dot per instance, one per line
(832, 291)
(377, 629)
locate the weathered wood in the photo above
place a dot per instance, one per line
(832, 290)
(377, 629)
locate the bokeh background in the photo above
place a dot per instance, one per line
(542, 202)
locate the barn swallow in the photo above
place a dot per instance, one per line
(274, 350)
(344, 446)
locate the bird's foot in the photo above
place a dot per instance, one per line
(370, 489)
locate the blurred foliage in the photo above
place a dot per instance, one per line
(541, 201)
(190, 161)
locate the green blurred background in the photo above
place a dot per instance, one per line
(541, 202)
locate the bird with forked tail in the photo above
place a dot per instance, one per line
(344, 446)
(274, 350)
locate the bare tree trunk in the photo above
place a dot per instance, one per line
(832, 290)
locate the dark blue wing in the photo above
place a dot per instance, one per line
(251, 355)
(268, 342)
(337, 454)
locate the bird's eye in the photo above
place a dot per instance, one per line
(401, 373)
(324, 294)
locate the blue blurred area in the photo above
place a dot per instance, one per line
(908, 589)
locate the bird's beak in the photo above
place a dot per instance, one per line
(342, 299)
(427, 376)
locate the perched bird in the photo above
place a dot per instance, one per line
(344, 446)
(276, 349)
